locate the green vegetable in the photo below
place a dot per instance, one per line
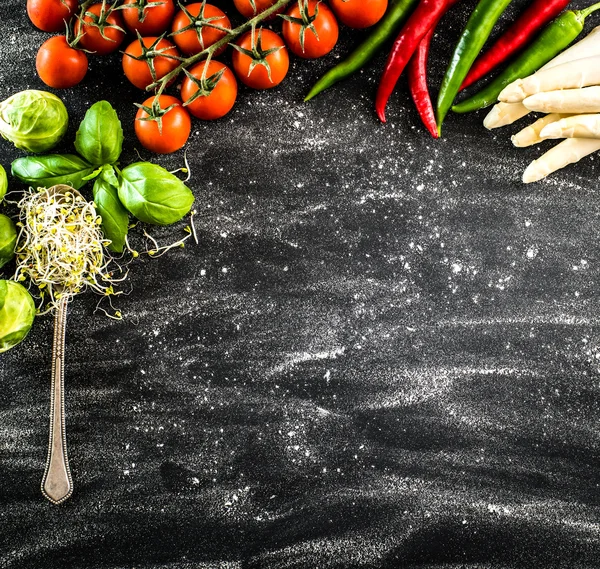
(3, 183)
(100, 136)
(554, 38)
(149, 192)
(34, 121)
(8, 239)
(115, 219)
(17, 312)
(46, 171)
(478, 29)
(154, 195)
(395, 16)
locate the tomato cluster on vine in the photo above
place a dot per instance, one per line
(164, 40)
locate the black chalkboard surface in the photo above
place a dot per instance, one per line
(383, 352)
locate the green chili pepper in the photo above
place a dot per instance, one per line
(389, 24)
(478, 29)
(554, 39)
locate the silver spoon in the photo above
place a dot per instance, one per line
(57, 483)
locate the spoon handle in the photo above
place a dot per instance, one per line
(57, 484)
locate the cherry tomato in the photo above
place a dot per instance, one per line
(59, 65)
(199, 36)
(92, 39)
(250, 8)
(51, 15)
(148, 19)
(359, 13)
(220, 96)
(175, 129)
(317, 18)
(269, 70)
(138, 71)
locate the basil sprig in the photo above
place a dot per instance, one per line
(145, 190)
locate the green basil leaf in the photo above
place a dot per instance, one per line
(109, 174)
(115, 219)
(153, 194)
(100, 136)
(93, 175)
(46, 171)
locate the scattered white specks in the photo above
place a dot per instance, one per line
(583, 265)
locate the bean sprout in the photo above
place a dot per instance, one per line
(60, 245)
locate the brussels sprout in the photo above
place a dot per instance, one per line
(17, 313)
(3, 183)
(8, 239)
(33, 120)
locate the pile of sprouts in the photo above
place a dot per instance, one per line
(61, 247)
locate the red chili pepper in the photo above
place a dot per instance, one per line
(417, 79)
(525, 28)
(420, 22)
(417, 84)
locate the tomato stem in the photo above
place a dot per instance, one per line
(207, 53)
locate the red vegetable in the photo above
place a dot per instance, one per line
(417, 79)
(101, 29)
(417, 84)
(59, 65)
(51, 15)
(524, 29)
(163, 126)
(425, 16)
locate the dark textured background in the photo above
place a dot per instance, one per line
(383, 353)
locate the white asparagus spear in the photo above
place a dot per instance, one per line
(579, 126)
(587, 47)
(532, 134)
(572, 101)
(503, 114)
(567, 152)
(571, 75)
